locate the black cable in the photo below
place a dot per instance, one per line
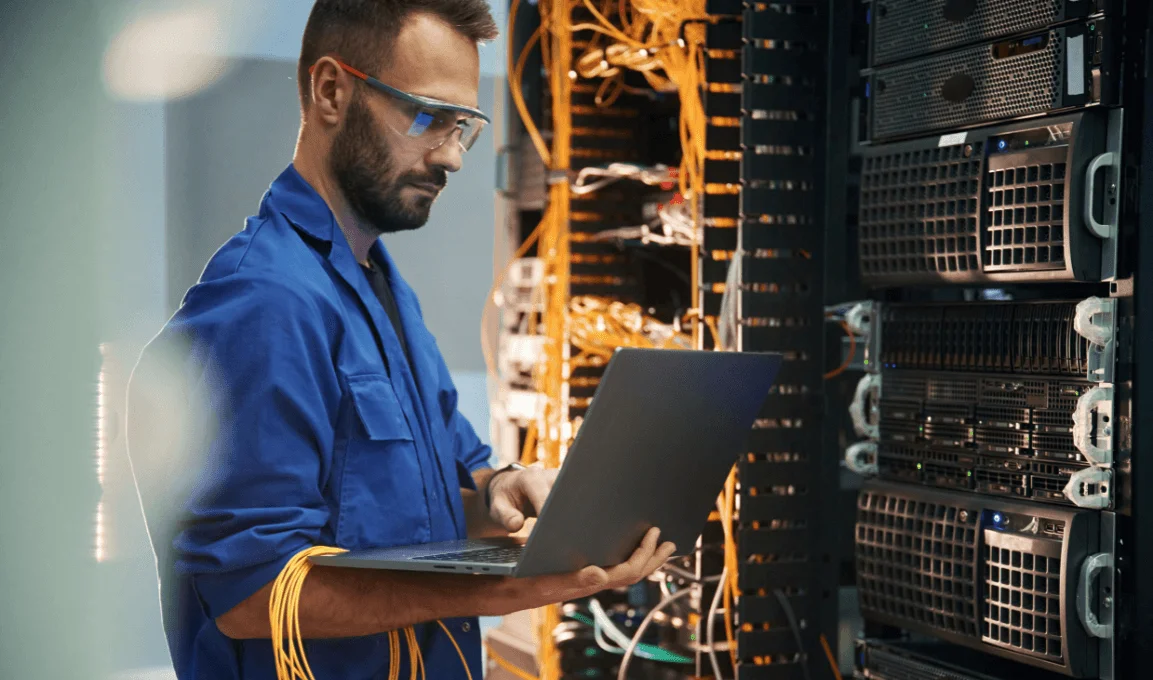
(792, 617)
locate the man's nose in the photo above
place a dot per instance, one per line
(448, 156)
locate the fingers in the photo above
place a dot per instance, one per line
(633, 569)
(537, 485)
(508, 515)
(662, 555)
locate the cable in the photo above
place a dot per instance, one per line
(832, 659)
(459, 652)
(632, 647)
(603, 624)
(792, 617)
(284, 621)
(710, 625)
(849, 359)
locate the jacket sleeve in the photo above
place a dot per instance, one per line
(259, 358)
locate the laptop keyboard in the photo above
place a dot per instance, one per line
(482, 555)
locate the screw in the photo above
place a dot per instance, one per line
(1108, 601)
(963, 515)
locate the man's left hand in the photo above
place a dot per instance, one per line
(519, 494)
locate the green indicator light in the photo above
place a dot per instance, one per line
(693, 637)
(1092, 27)
(925, 26)
(1026, 142)
(866, 362)
(969, 473)
(591, 651)
(918, 466)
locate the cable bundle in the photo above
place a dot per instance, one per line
(600, 326)
(288, 643)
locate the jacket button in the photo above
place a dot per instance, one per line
(466, 626)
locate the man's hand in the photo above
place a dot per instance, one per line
(518, 594)
(517, 495)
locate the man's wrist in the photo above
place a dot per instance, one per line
(512, 467)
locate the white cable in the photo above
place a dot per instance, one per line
(632, 646)
(599, 636)
(728, 326)
(710, 625)
(655, 175)
(607, 625)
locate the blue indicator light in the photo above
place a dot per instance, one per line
(868, 88)
(1002, 144)
(997, 518)
(1029, 42)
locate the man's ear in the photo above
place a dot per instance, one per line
(331, 90)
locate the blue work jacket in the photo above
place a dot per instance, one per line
(314, 430)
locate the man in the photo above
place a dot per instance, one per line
(330, 416)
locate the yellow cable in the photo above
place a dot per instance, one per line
(288, 642)
(832, 659)
(452, 639)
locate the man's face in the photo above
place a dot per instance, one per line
(390, 180)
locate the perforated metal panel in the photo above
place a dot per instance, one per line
(919, 210)
(908, 28)
(1023, 595)
(1024, 338)
(1026, 218)
(1023, 76)
(917, 561)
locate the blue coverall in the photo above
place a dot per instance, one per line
(317, 431)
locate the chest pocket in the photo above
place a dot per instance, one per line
(382, 498)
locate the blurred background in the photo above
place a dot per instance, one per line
(135, 137)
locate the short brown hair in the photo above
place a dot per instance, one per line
(362, 31)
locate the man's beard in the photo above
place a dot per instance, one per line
(361, 162)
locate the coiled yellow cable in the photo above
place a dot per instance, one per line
(288, 643)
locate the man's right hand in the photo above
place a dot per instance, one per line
(518, 594)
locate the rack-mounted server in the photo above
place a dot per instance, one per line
(905, 29)
(1029, 201)
(1045, 72)
(996, 575)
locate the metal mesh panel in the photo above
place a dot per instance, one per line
(907, 28)
(916, 561)
(907, 99)
(1022, 607)
(1025, 221)
(919, 211)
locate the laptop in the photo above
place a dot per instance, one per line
(657, 443)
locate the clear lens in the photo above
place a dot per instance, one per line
(430, 127)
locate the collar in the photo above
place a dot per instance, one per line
(292, 196)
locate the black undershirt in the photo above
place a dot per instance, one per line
(379, 282)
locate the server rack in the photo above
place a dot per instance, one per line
(995, 234)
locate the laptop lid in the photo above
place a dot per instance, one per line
(655, 448)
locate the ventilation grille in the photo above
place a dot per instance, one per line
(907, 99)
(1001, 436)
(1026, 338)
(1022, 608)
(1025, 221)
(909, 28)
(919, 211)
(916, 561)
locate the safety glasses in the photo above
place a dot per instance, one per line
(425, 121)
